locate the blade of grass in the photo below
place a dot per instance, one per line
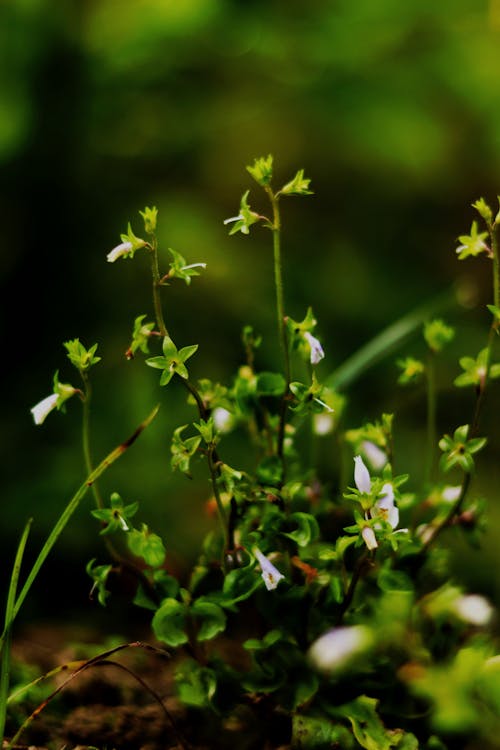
(68, 512)
(9, 609)
(387, 341)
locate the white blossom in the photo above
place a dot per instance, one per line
(223, 419)
(119, 251)
(369, 537)
(323, 424)
(240, 217)
(335, 648)
(385, 507)
(317, 352)
(375, 455)
(451, 494)
(474, 609)
(361, 476)
(41, 410)
(270, 574)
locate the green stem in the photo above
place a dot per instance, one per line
(87, 455)
(6, 638)
(431, 418)
(280, 310)
(214, 472)
(155, 270)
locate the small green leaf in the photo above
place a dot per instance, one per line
(307, 530)
(169, 623)
(147, 545)
(209, 617)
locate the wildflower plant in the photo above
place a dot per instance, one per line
(339, 599)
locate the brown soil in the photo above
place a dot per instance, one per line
(113, 707)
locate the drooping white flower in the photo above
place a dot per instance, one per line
(474, 609)
(335, 648)
(270, 574)
(369, 537)
(41, 410)
(361, 476)
(119, 251)
(240, 217)
(375, 455)
(317, 352)
(385, 507)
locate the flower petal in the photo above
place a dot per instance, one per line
(44, 407)
(361, 476)
(270, 574)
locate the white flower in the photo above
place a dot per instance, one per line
(323, 424)
(119, 251)
(474, 609)
(270, 574)
(41, 410)
(361, 476)
(223, 419)
(369, 537)
(374, 454)
(385, 507)
(451, 494)
(335, 648)
(317, 352)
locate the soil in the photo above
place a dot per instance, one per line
(129, 704)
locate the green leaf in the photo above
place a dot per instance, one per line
(315, 733)
(210, 618)
(147, 545)
(79, 356)
(366, 724)
(298, 186)
(307, 530)
(169, 623)
(270, 384)
(99, 575)
(196, 685)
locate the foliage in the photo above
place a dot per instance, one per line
(339, 600)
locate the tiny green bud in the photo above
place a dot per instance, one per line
(483, 210)
(81, 358)
(298, 186)
(437, 334)
(150, 216)
(262, 170)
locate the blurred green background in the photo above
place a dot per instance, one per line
(392, 108)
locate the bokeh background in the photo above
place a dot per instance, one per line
(392, 108)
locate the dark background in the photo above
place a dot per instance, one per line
(391, 108)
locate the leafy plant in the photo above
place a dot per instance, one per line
(339, 599)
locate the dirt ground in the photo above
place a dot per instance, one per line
(131, 706)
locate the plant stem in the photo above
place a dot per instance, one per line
(431, 418)
(214, 471)
(280, 310)
(87, 398)
(155, 270)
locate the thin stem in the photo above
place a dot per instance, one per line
(87, 455)
(155, 270)
(280, 310)
(431, 418)
(214, 472)
(356, 575)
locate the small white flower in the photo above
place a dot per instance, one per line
(385, 507)
(323, 424)
(451, 494)
(375, 455)
(119, 251)
(223, 419)
(194, 265)
(361, 476)
(369, 537)
(270, 574)
(474, 609)
(41, 410)
(317, 352)
(335, 648)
